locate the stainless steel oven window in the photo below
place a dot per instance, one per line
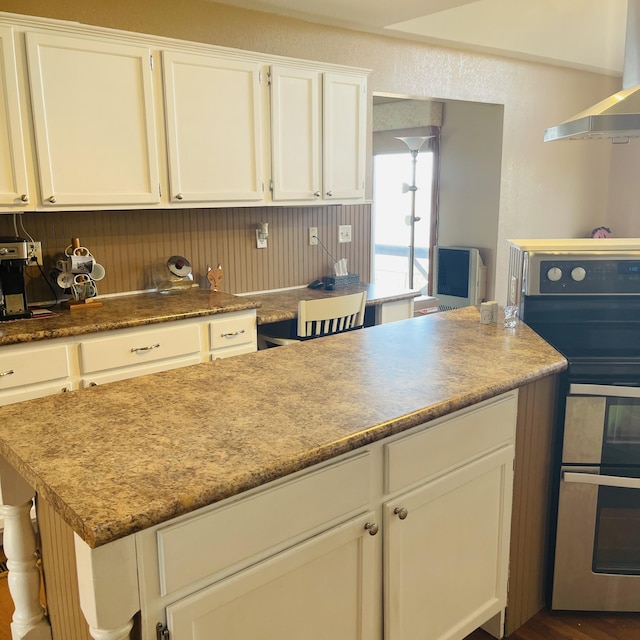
(617, 531)
(622, 421)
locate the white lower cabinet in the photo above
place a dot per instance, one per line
(415, 544)
(123, 354)
(233, 334)
(446, 551)
(33, 371)
(320, 589)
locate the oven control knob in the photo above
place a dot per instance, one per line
(578, 274)
(554, 274)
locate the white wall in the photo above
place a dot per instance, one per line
(622, 213)
(470, 167)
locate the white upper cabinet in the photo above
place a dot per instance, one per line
(93, 118)
(213, 109)
(295, 134)
(344, 135)
(102, 129)
(13, 172)
(318, 135)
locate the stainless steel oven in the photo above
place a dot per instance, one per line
(584, 298)
(597, 550)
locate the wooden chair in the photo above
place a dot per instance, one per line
(323, 317)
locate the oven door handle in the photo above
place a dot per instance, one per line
(623, 482)
(609, 390)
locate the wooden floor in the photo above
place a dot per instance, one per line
(6, 609)
(574, 626)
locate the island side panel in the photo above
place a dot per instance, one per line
(531, 501)
(60, 575)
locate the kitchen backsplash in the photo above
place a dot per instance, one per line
(129, 243)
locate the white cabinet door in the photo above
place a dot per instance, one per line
(13, 172)
(323, 588)
(295, 134)
(214, 130)
(94, 122)
(344, 135)
(445, 561)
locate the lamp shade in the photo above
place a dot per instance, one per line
(414, 142)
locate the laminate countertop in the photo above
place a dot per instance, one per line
(115, 459)
(122, 312)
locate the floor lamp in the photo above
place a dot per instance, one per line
(414, 143)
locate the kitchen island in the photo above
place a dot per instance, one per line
(118, 461)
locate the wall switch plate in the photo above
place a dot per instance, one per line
(261, 243)
(34, 253)
(344, 233)
(313, 236)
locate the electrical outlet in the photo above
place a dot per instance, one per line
(313, 236)
(344, 233)
(34, 253)
(261, 243)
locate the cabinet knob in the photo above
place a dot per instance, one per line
(372, 528)
(401, 512)
(179, 196)
(329, 193)
(9, 372)
(316, 194)
(52, 200)
(24, 197)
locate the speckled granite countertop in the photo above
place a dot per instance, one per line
(118, 458)
(150, 308)
(124, 312)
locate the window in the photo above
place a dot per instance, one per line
(392, 175)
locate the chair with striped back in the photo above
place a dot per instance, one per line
(323, 317)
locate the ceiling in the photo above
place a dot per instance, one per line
(583, 34)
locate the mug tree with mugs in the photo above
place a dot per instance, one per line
(78, 272)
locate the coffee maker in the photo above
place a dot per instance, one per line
(13, 293)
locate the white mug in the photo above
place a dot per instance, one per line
(80, 264)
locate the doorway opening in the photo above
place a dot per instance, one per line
(392, 215)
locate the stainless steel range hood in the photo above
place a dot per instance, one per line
(618, 116)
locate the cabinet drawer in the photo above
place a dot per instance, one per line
(262, 524)
(138, 347)
(454, 440)
(233, 330)
(23, 365)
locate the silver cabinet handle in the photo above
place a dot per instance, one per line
(52, 199)
(372, 528)
(179, 196)
(149, 348)
(232, 334)
(602, 481)
(329, 193)
(316, 194)
(401, 512)
(24, 197)
(9, 372)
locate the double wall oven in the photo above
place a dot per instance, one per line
(583, 297)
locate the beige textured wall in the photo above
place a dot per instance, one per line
(547, 190)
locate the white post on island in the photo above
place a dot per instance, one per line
(19, 542)
(108, 581)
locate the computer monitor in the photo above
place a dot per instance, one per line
(459, 278)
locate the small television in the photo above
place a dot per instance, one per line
(459, 277)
